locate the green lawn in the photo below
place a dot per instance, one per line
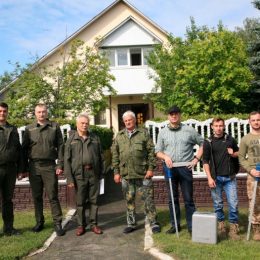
(184, 249)
(15, 247)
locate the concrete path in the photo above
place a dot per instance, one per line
(112, 244)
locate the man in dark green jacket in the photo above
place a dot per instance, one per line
(83, 166)
(133, 161)
(42, 146)
(10, 165)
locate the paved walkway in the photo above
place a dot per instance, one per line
(112, 244)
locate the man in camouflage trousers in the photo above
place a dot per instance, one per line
(42, 145)
(249, 157)
(133, 161)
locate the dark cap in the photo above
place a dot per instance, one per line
(174, 109)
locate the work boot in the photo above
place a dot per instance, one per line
(256, 231)
(222, 232)
(233, 231)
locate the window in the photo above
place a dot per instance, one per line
(136, 57)
(122, 57)
(146, 53)
(110, 55)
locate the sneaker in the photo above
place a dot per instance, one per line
(172, 230)
(59, 230)
(129, 230)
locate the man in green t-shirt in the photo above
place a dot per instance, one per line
(249, 157)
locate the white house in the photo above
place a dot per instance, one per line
(127, 36)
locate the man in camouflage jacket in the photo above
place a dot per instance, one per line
(133, 161)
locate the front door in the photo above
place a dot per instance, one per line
(140, 110)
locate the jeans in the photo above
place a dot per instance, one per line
(182, 176)
(230, 187)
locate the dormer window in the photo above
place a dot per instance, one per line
(122, 57)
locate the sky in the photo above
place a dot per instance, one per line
(31, 28)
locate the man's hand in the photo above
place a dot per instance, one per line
(168, 161)
(193, 163)
(71, 185)
(149, 175)
(59, 171)
(255, 173)
(22, 175)
(211, 183)
(117, 178)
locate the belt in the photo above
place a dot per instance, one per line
(88, 167)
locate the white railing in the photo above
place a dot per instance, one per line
(64, 130)
(233, 126)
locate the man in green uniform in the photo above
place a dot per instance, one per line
(10, 165)
(83, 166)
(42, 145)
(133, 161)
(249, 157)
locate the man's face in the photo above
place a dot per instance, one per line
(82, 124)
(218, 128)
(3, 114)
(41, 113)
(129, 122)
(254, 122)
(174, 118)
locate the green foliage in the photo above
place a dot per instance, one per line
(77, 82)
(254, 62)
(205, 73)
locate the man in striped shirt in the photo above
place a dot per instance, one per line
(175, 145)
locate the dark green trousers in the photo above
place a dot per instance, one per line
(7, 185)
(44, 175)
(87, 190)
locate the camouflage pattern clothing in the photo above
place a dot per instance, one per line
(132, 156)
(249, 156)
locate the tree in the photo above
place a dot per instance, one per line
(77, 83)
(254, 62)
(206, 72)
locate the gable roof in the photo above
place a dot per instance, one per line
(75, 34)
(88, 24)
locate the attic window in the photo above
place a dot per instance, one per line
(136, 57)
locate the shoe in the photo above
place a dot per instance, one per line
(12, 232)
(59, 230)
(97, 230)
(234, 231)
(172, 230)
(256, 232)
(156, 228)
(80, 231)
(129, 230)
(38, 227)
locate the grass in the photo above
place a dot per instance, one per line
(15, 247)
(184, 249)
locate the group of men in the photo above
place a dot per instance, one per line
(41, 156)
(133, 161)
(44, 156)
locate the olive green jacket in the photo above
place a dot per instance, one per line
(43, 143)
(73, 164)
(132, 157)
(11, 149)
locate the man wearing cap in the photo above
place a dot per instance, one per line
(175, 145)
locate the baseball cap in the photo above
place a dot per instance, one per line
(174, 109)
